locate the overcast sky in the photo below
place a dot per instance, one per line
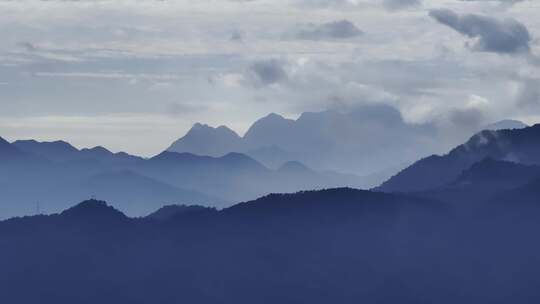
(135, 75)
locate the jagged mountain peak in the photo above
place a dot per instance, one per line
(199, 127)
(203, 139)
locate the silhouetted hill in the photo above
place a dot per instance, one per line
(102, 154)
(63, 152)
(326, 202)
(56, 151)
(231, 161)
(330, 246)
(518, 145)
(93, 210)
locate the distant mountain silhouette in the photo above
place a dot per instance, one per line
(56, 151)
(272, 129)
(205, 140)
(295, 168)
(61, 151)
(367, 140)
(58, 174)
(517, 145)
(237, 177)
(272, 156)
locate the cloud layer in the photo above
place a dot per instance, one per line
(491, 35)
(92, 72)
(342, 29)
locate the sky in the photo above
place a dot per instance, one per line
(135, 75)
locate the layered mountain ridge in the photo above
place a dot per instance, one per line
(58, 173)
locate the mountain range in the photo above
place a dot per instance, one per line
(454, 228)
(373, 141)
(51, 175)
(58, 173)
(352, 142)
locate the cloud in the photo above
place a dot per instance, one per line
(236, 36)
(394, 5)
(507, 36)
(27, 46)
(111, 75)
(528, 93)
(267, 72)
(180, 109)
(467, 118)
(342, 29)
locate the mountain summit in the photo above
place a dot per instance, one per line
(205, 140)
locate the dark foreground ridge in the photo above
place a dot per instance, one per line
(331, 246)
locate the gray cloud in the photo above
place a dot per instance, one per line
(528, 94)
(267, 72)
(506, 36)
(237, 36)
(180, 109)
(343, 29)
(394, 5)
(27, 46)
(468, 119)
